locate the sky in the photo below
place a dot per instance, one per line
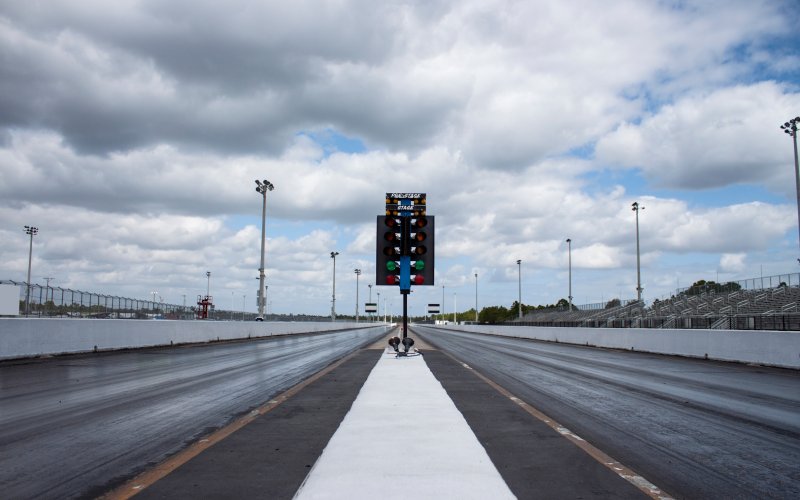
(131, 134)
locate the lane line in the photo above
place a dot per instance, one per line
(615, 466)
(151, 476)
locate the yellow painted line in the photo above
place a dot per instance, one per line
(615, 466)
(151, 476)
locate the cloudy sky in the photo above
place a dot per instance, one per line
(131, 133)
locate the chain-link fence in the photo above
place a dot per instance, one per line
(53, 301)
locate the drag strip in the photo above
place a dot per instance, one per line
(75, 426)
(695, 428)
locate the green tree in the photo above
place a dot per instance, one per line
(493, 315)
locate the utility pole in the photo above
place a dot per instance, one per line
(30, 231)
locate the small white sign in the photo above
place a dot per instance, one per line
(9, 300)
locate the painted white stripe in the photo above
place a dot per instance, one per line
(403, 438)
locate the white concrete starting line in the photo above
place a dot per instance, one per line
(403, 438)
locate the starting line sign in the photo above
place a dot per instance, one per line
(433, 308)
(406, 204)
(371, 307)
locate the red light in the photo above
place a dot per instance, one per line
(418, 279)
(392, 280)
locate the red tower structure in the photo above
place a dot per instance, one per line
(203, 305)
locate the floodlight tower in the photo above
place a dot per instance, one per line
(333, 299)
(476, 298)
(569, 265)
(635, 207)
(358, 273)
(519, 280)
(262, 187)
(790, 128)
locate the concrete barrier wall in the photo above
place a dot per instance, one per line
(27, 337)
(772, 348)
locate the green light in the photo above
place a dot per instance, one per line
(419, 265)
(391, 265)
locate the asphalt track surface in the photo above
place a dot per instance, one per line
(695, 428)
(75, 426)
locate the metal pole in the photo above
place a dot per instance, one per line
(405, 314)
(442, 302)
(455, 307)
(333, 296)
(796, 172)
(519, 274)
(358, 273)
(476, 297)
(262, 188)
(569, 257)
(790, 128)
(261, 271)
(636, 209)
(30, 230)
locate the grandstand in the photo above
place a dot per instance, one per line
(735, 305)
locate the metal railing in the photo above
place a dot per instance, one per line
(57, 302)
(53, 301)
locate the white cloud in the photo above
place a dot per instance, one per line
(732, 262)
(729, 136)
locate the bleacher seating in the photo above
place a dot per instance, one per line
(711, 305)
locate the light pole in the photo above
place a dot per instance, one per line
(455, 308)
(208, 291)
(262, 187)
(569, 260)
(358, 273)
(442, 302)
(790, 128)
(333, 300)
(476, 298)
(636, 209)
(379, 306)
(30, 231)
(519, 279)
(370, 300)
